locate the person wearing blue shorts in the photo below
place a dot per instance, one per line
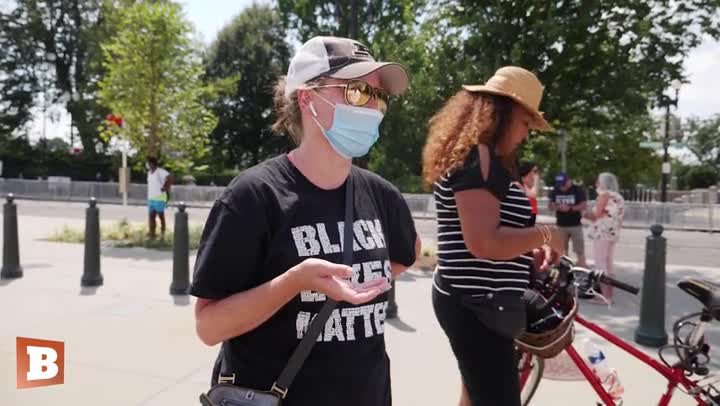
(158, 183)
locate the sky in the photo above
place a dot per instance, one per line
(700, 97)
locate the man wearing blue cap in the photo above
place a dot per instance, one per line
(569, 202)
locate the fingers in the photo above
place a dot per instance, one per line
(379, 283)
(343, 292)
(538, 258)
(338, 270)
(363, 297)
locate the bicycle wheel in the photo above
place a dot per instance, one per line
(531, 369)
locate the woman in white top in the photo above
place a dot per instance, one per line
(607, 218)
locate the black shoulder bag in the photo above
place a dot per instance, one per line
(224, 393)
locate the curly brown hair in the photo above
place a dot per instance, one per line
(466, 120)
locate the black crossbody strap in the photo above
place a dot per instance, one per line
(302, 351)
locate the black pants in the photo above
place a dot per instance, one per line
(486, 360)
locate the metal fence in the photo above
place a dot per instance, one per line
(698, 214)
(696, 210)
(104, 192)
(684, 216)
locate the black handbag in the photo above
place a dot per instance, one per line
(503, 314)
(226, 393)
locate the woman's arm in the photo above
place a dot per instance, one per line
(219, 320)
(599, 209)
(479, 212)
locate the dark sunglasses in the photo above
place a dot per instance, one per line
(359, 93)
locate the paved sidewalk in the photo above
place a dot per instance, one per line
(130, 343)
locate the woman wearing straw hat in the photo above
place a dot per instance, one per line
(485, 244)
(273, 246)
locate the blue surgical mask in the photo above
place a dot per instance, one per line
(354, 129)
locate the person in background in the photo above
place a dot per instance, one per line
(158, 185)
(529, 183)
(607, 217)
(569, 201)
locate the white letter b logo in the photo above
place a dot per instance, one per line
(42, 363)
(39, 362)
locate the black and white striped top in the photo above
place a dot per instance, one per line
(458, 270)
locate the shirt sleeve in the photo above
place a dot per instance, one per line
(232, 247)
(470, 176)
(402, 233)
(551, 196)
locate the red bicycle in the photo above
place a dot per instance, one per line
(690, 373)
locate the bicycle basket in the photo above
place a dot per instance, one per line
(555, 338)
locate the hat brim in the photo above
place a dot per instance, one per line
(393, 76)
(539, 122)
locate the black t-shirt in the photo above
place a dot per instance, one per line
(271, 218)
(574, 195)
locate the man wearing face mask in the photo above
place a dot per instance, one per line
(272, 251)
(158, 187)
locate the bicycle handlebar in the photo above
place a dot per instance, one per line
(567, 266)
(608, 280)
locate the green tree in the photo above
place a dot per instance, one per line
(434, 76)
(18, 82)
(358, 19)
(154, 81)
(393, 32)
(598, 59)
(613, 148)
(56, 41)
(702, 176)
(703, 139)
(253, 39)
(604, 65)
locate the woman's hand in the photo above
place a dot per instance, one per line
(544, 258)
(334, 280)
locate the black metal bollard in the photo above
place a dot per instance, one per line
(91, 273)
(11, 248)
(392, 309)
(181, 254)
(651, 331)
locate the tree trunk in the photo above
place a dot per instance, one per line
(87, 131)
(354, 19)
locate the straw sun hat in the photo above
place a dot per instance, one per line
(521, 86)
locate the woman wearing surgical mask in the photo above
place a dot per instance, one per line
(272, 247)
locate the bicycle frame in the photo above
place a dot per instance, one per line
(674, 376)
(525, 371)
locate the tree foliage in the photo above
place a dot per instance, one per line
(252, 47)
(18, 80)
(154, 82)
(604, 64)
(54, 48)
(703, 139)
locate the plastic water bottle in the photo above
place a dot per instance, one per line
(608, 376)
